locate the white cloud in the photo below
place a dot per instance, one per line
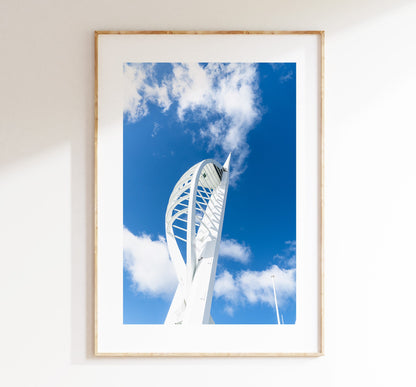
(230, 93)
(253, 287)
(285, 73)
(192, 87)
(156, 128)
(287, 258)
(148, 264)
(230, 248)
(225, 96)
(257, 286)
(286, 77)
(140, 88)
(227, 287)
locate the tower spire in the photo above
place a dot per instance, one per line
(226, 165)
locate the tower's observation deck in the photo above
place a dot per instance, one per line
(194, 219)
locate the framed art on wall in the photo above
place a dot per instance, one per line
(208, 193)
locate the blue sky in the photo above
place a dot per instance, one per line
(176, 115)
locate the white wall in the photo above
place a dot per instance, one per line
(46, 192)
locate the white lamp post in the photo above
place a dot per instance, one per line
(275, 299)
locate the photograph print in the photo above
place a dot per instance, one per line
(209, 193)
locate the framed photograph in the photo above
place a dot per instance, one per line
(209, 193)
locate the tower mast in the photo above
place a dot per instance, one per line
(194, 219)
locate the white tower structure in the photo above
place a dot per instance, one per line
(194, 219)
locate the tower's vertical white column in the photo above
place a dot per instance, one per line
(205, 194)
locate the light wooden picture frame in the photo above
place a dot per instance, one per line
(165, 101)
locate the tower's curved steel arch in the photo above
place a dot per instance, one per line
(194, 218)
